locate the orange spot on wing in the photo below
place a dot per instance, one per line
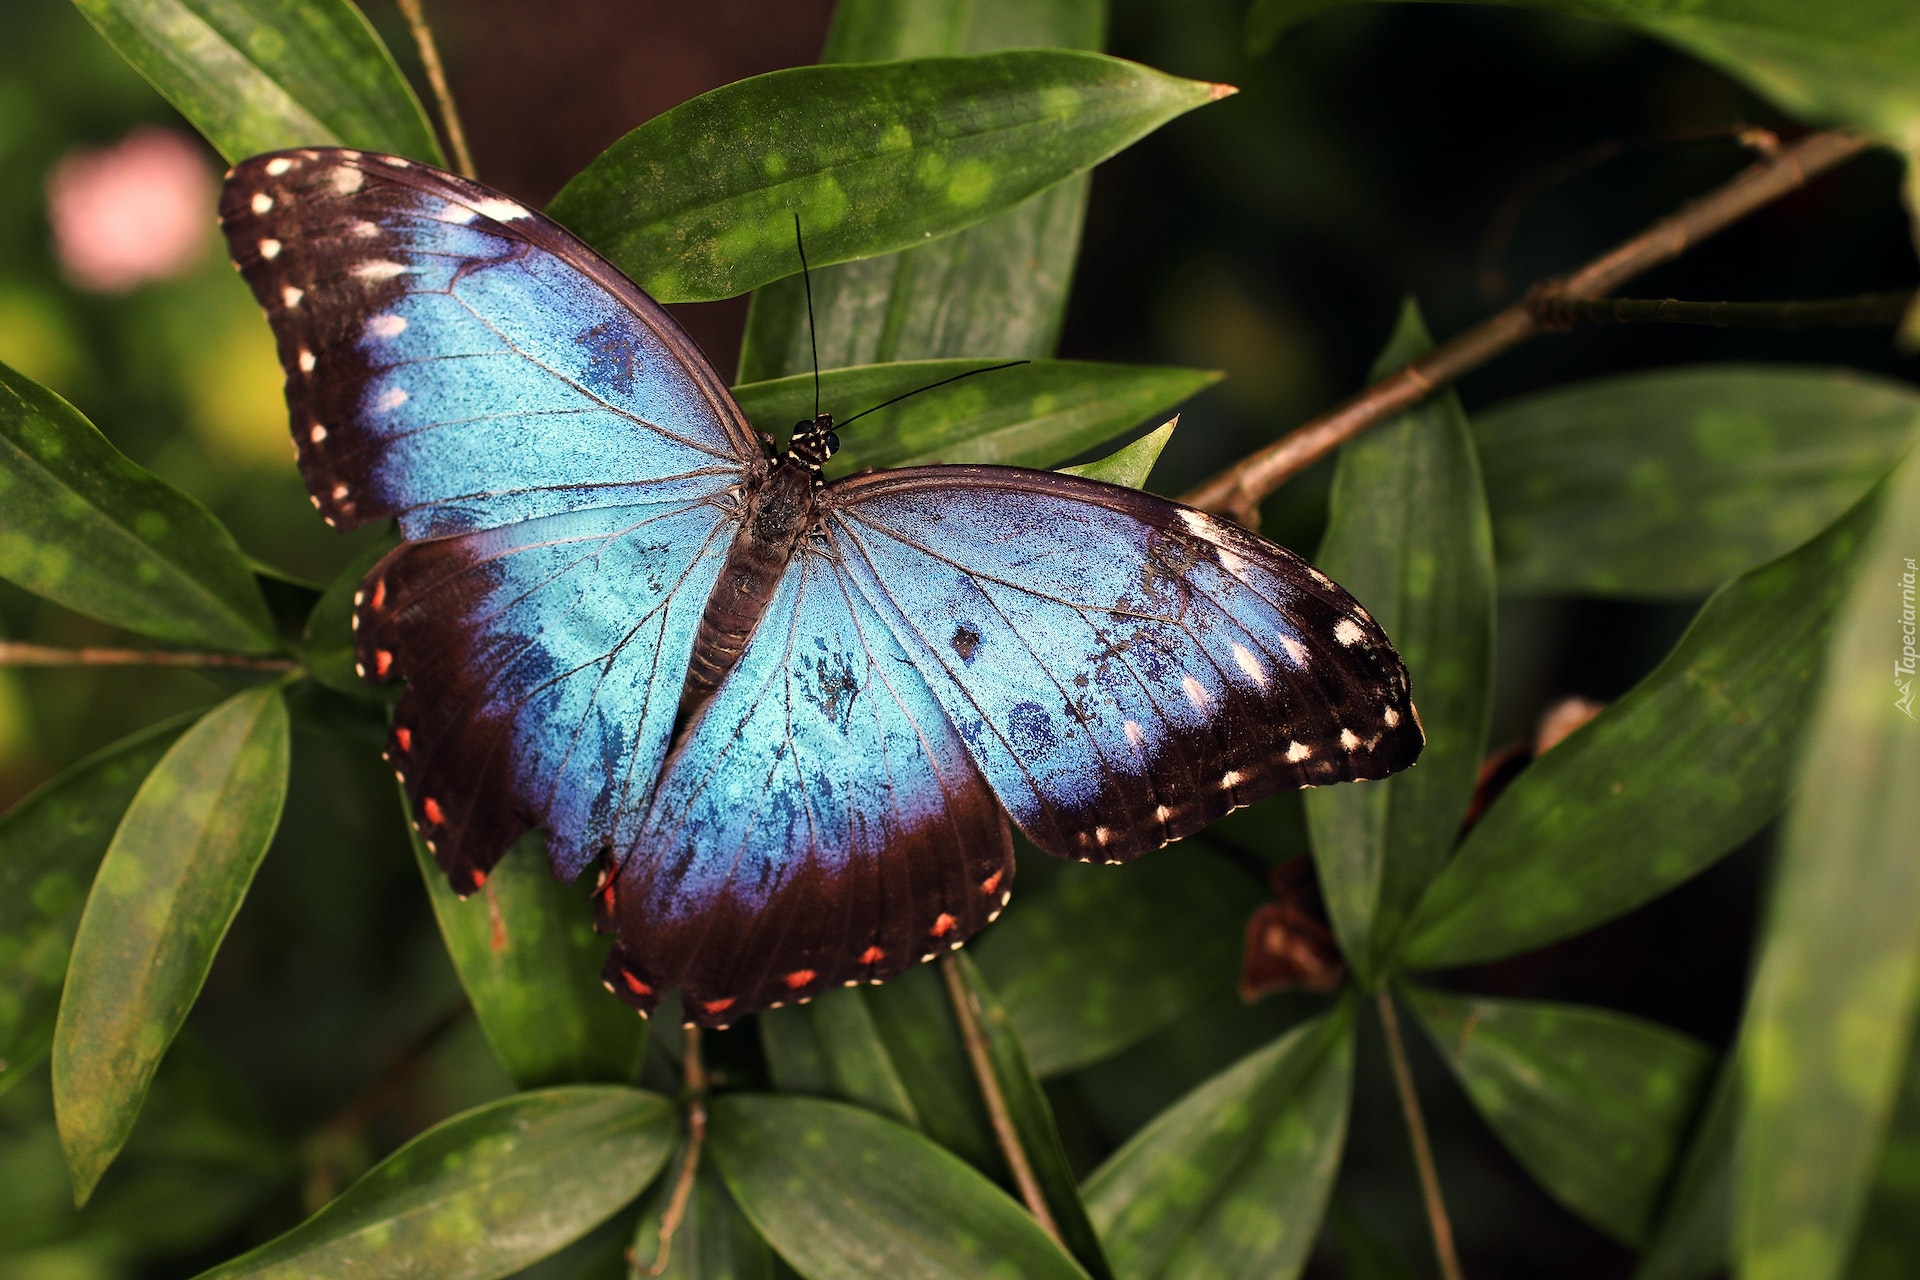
(717, 1006)
(403, 736)
(872, 955)
(479, 879)
(379, 593)
(992, 882)
(382, 660)
(943, 925)
(800, 978)
(431, 808)
(636, 986)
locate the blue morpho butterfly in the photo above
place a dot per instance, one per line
(783, 716)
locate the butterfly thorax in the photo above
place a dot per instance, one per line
(778, 511)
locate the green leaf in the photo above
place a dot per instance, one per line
(1131, 465)
(830, 1047)
(88, 529)
(1888, 1247)
(262, 75)
(1693, 1238)
(1693, 761)
(1099, 958)
(1833, 1000)
(483, 1194)
(1594, 1104)
(329, 630)
(843, 1193)
(50, 845)
(1855, 63)
(530, 961)
(1407, 534)
(168, 887)
(699, 202)
(1031, 416)
(1231, 1181)
(1033, 1123)
(714, 1240)
(999, 288)
(1666, 484)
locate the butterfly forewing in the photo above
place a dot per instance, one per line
(1123, 669)
(461, 362)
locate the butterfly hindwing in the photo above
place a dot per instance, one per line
(1123, 669)
(462, 362)
(543, 663)
(819, 824)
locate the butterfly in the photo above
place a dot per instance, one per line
(786, 719)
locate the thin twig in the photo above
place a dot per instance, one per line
(1239, 490)
(1437, 1220)
(437, 77)
(15, 653)
(1869, 311)
(694, 1081)
(967, 1013)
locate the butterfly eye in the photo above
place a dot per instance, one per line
(833, 443)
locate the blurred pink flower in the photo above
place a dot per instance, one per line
(137, 211)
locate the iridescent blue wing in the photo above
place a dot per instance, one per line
(1123, 669)
(462, 362)
(819, 824)
(562, 457)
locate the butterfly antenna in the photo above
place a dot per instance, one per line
(992, 368)
(813, 332)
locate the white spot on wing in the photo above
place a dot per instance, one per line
(346, 180)
(1347, 631)
(379, 269)
(1230, 779)
(277, 167)
(291, 296)
(499, 210)
(306, 361)
(1298, 751)
(1135, 734)
(1296, 652)
(393, 398)
(1162, 812)
(387, 326)
(1392, 717)
(262, 202)
(396, 162)
(1349, 739)
(1196, 693)
(1232, 563)
(366, 230)
(1249, 664)
(269, 249)
(318, 433)
(1319, 577)
(340, 491)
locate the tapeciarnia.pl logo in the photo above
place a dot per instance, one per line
(1903, 666)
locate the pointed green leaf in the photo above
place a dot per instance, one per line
(915, 1020)
(1033, 1124)
(698, 203)
(1693, 1240)
(1407, 534)
(1833, 1000)
(714, 1240)
(1131, 465)
(845, 1194)
(831, 1048)
(1855, 62)
(1232, 1180)
(999, 288)
(1684, 768)
(261, 75)
(1033, 415)
(50, 845)
(1888, 1247)
(168, 887)
(483, 1194)
(83, 526)
(530, 961)
(1666, 484)
(1099, 958)
(1594, 1104)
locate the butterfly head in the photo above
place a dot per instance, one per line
(814, 442)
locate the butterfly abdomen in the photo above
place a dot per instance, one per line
(777, 513)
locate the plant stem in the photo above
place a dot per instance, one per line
(423, 39)
(14, 653)
(1871, 310)
(966, 1011)
(1437, 1220)
(1239, 490)
(694, 1082)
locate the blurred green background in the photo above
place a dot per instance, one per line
(1452, 154)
